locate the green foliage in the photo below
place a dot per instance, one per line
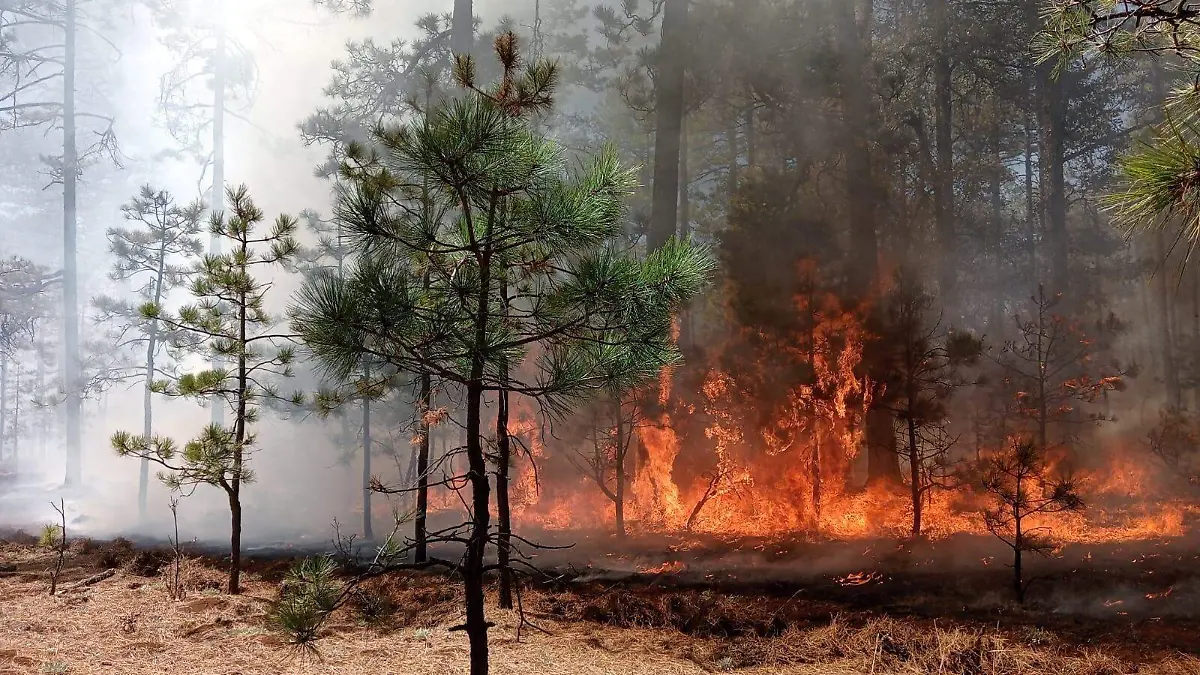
(157, 254)
(1020, 484)
(500, 211)
(1160, 176)
(50, 536)
(228, 320)
(310, 593)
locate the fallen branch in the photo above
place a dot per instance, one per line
(95, 578)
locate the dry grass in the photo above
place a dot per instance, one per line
(127, 625)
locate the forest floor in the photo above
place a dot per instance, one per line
(126, 624)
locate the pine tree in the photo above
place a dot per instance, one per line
(1021, 487)
(230, 316)
(41, 91)
(154, 253)
(927, 361)
(426, 295)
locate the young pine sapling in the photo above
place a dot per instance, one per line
(230, 316)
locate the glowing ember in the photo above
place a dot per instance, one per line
(859, 579)
(666, 568)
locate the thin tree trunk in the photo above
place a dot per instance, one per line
(734, 152)
(944, 194)
(462, 29)
(1166, 340)
(16, 435)
(686, 329)
(368, 531)
(751, 139)
(622, 451)
(503, 512)
(71, 364)
(239, 440)
(996, 237)
(40, 387)
(147, 425)
(669, 113)
(4, 404)
(1031, 212)
(217, 196)
(914, 468)
(420, 534)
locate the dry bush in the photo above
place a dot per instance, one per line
(146, 563)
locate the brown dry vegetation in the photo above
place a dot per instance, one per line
(127, 625)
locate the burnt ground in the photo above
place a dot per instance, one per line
(1135, 601)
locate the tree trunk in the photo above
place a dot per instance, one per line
(503, 513)
(862, 197)
(996, 238)
(622, 452)
(235, 538)
(421, 531)
(239, 440)
(217, 197)
(914, 468)
(1052, 123)
(944, 194)
(462, 29)
(815, 468)
(664, 211)
(686, 330)
(473, 564)
(71, 362)
(1031, 210)
(751, 139)
(4, 404)
(368, 531)
(1166, 342)
(1018, 544)
(734, 152)
(147, 423)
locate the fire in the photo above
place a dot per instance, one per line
(859, 579)
(666, 568)
(745, 452)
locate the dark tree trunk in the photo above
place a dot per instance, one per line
(503, 513)
(421, 532)
(368, 530)
(686, 329)
(473, 569)
(862, 201)
(914, 468)
(71, 362)
(622, 453)
(239, 440)
(944, 194)
(473, 564)
(235, 539)
(664, 210)
(1166, 341)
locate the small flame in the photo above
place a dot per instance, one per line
(859, 578)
